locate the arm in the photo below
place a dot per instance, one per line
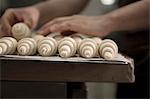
(42, 12)
(56, 8)
(131, 17)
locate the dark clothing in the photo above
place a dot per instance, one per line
(126, 2)
(132, 46)
(135, 45)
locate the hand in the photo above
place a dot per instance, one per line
(28, 15)
(91, 25)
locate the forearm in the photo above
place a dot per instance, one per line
(56, 8)
(132, 17)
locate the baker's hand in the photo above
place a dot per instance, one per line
(91, 25)
(28, 15)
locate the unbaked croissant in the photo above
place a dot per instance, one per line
(88, 48)
(80, 35)
(37, 37)
(47, 46)
(20, 30)
(27, 46)
(108, 49)
(56, 35)
(7, 45)
(98, 40)
(67, 47)
(78, 38)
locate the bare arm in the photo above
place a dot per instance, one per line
(55, 8)
(39, 13)
(133, 17)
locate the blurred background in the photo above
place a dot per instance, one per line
(95, 7)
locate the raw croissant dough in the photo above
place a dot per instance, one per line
(27, 46)
(7, 45)
(67, 47)
(78, 38)
(47, 46)
(88, 48)
(37, 37)
(20, 30)
(108, 49)
(98, 40)
(56, 35)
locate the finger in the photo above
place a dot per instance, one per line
(56, 25)
(60, 20)
(64, 30)
(73, 26)
(55, 21)
(28, 21)
(47, 30)
(43, 27)
(34, 23)
(18, 16)
(65, 26)
(8, 19)
(44, 32)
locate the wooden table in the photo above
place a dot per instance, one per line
(63, 70)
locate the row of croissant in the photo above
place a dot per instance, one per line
(26, 43)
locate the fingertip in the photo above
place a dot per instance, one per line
(43, 32)
(40, 32)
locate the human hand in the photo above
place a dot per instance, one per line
(91, 25)
(28, 15)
